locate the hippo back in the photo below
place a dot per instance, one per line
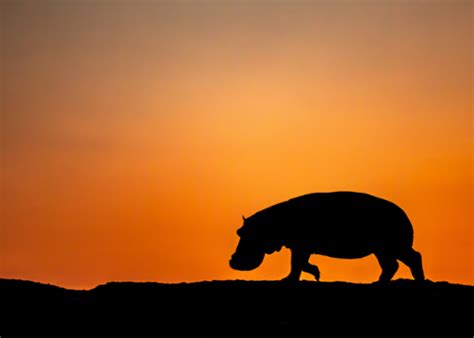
(341, 224)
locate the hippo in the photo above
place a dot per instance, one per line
(335, 224)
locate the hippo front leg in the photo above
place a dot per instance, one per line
(299, 263)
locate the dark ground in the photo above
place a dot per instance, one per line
(236, 308)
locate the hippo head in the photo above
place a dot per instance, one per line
(250, 252)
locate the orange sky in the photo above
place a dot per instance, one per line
(135, 134)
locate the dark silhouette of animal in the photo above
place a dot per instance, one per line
(336, 224)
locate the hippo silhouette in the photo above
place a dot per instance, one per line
(336, 224)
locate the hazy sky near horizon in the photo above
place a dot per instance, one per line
(134, 134)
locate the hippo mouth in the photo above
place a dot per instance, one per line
(245, 264)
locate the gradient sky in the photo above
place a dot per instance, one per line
(134, 134)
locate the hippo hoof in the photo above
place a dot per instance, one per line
(290, 279)
(314, 270)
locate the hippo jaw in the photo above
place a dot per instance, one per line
(246, 262)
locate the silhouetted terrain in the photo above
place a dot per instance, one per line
(234, 308)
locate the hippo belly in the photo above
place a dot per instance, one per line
(347, 225)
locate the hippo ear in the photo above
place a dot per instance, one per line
(243, 218)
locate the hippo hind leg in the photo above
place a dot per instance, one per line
(412, 259)
(389, 266)
(312, 269)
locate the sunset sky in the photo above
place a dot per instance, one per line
(134, 134)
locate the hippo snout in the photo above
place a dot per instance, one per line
(231, 261)
(246, 263)
(232, 264)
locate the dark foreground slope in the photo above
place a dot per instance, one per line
(235, 308)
